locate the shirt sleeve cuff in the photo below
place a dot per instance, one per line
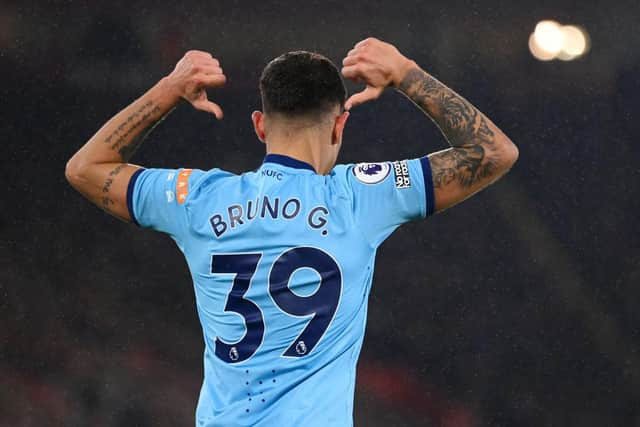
(130, 190)
(428, 186)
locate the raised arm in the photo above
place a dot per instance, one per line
(99, 170)
(480, 153)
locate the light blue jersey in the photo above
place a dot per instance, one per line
(282, 260)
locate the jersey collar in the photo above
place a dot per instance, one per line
(287, 161)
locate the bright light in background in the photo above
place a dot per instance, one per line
(575, 43)
(551, 40)
(537, 51)
(549, 37)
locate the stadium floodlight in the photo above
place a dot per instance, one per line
(576, 43)
(537, 51)
(549, 37)
(551, 40)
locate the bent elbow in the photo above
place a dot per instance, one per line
(73, 172)
(510, 153)
(514, 153)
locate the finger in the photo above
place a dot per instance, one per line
(361, 43)
(198, 53)
(210, 80)
(368, 94)
(350, 60)
(205, 63)
(202, 59)
(211, 69)
(365, 42)
(209, 107)
(351, 72)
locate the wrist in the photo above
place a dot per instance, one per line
(168, 91)
(401, 72)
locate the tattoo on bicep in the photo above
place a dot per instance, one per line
(117, 169)
(466, 164)
(107, 185)
(106, 201)
(139, 123)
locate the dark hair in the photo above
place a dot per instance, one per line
(301, 83)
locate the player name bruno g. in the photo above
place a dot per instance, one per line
(265, 207)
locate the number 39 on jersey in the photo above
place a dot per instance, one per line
(321, 306)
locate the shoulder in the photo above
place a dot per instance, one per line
(204, 181)
(212, 176)
(340, 171)
(365, 173)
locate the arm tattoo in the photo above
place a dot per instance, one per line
(463, 164)
(129, 134)
(106, 203)
(472, 156)
(106, 200)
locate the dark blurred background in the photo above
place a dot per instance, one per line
(516, 308)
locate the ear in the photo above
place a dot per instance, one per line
(338, 128)
(258, 124)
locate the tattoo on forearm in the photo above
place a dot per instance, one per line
(137, 124)
(472, 156)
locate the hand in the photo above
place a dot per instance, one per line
(194, 73)
(378, 65)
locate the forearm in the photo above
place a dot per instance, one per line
(480, 152)
(458, 120)
(119, 138)
(99, 170)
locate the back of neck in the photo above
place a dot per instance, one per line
(303, 146)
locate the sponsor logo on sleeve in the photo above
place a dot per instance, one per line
(401, 173)
(371, 173)
(182, 185)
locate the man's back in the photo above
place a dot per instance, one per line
(282, 258)
(282, 261)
